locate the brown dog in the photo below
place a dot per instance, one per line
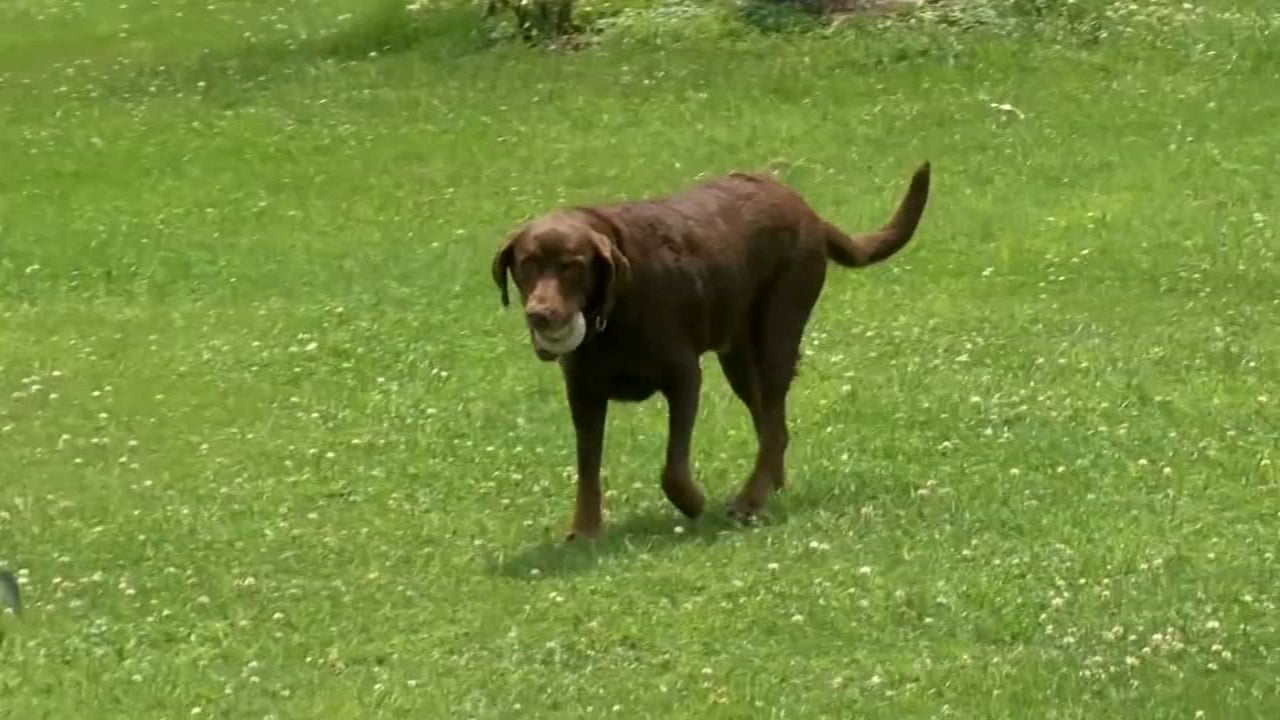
(733, 265)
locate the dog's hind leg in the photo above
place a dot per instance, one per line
(739, 366)
(764, 369)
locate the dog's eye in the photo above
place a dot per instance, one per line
(530, 264)
(570, 267)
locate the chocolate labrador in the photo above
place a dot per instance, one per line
(628, 296)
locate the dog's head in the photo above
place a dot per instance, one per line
(562, 264)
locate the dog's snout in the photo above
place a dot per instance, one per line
(540, 317)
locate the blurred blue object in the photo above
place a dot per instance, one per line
(9, 592)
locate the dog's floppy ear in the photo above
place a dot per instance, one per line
(615, 271)
(502, 265)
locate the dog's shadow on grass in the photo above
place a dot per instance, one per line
(641, 534)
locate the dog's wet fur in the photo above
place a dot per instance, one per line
(733, 266)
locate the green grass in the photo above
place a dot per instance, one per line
(270, 448)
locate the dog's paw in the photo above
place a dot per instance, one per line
(743, 510)
(582, 535)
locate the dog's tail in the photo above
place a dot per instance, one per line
(872, 247)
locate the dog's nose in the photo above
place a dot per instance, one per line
(539, 318)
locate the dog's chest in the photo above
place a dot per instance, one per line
(628, 372)
(631, 376)
(630, 386)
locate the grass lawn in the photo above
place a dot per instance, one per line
(270, 447)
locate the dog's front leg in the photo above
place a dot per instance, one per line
(682, 391)
(588, 409)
